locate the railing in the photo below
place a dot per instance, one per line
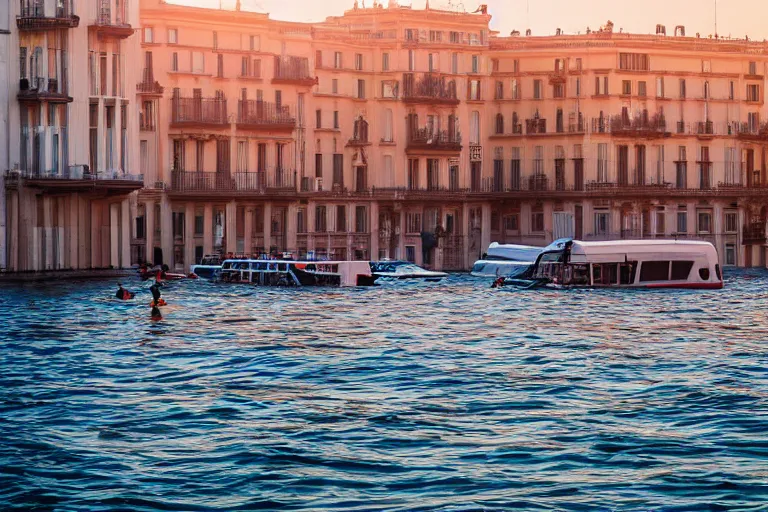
(429, 87)
(32, 15)
(37, 87)
(262, 113)
(431, 139)
(105, 13)
(577, 127)
(292, 69)
(536, 126)
(77, 172)
(148, 84)
(751, 130)
(754, 233)
(199, 111)
(705, 128)
(259, 182)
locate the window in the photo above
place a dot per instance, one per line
(435, 36)
(706, 90)
(475, 63)
(578, 87)
(634, 61)
(730, 254)
(175, 61)
(242, 156)
(641, 88)
(388, 88)
(361, 89)
(659, 86)
(337, 60)
(220, 65)
(411, 60)
(753, 92)
(654, 271)
(455, 37)
(341, 218)
(661, 224)
(681, 270)
(515, 89)
(705, 222)
(626, 87)
(752, 68)
(413, 223)
(454, 63)
(215, 40)
(537, 221)
(336, 119)
(682, 88)
(559, 65)
(682, 221)
(474, 90)
(334, 86)
(198, 62)
(318, 165)
(474, 127)
(706, 66)
(255, 42)
(359, 61)
(731, 222)
(199, 225)
(577, 64)
(499, 124)
(173, 36)
(338, 169)
(301, 220)
(431, 58)
(753, 121)
(602, 162)
(601, 222)
(558, 90)
(387, 131)
(179, 148)
(731, 90)
(411, 34)
(361, 219)
(148, 35)
(385, 62)
(321, 219)
(601, 86)
(413, 174)
(318, 118)
(537, 89)
(511, 223)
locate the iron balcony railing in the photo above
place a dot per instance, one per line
(33, 15)
(262, 113)
(105, 15)
(429, 87)
(289, 69)
(434, 139)
(225, 182)
(536, 126)
(199, 111)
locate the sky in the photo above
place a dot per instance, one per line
(737, 18)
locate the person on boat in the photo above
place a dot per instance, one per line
(498, 283)
(155, 314)
(122, 293)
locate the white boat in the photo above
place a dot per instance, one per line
(505, 260)
(296, 273)
(208, 268)
(624, 264)
(401, 271)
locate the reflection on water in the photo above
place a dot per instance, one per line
(444, 397)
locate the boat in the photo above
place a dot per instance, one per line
(386, 271)
(505, 260)
(624, 264)
(208, 268)
(265, 272)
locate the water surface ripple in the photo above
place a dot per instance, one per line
(451, 397)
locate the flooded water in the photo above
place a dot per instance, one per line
(449, 397)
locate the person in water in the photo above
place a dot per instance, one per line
(156, 300)
(498, 283)
(122, 293)
(156, 315)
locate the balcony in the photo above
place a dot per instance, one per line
(536, 126)
(293, 71)
(639, 126)
(431, 88)
(275, 181)
(33, 18)
(704, 128)
(77, 178)
(43, 89)
(112, 23)
(261, 115)
(754, 233)
(199, 112)
(752, 132)
(148, 85)
(440, 141)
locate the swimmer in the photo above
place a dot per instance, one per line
(156, 315)
(156, 300)
(122, 293)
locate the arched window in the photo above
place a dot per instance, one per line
(499, 124)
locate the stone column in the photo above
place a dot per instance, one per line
(149, 215)
(485, 228)
(114, 235)
(166, 231)
(248, 228)
(13, 231)
(83, 233)
(208, 229)
(96, 220)
(189, 236)
(74, 230)
(61, 232)
(47, 233)
(125, 233)
(374, 230)
(230, 227)
(267, 227)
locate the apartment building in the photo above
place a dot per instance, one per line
(70, 145)
(390, 132)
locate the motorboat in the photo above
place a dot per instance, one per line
(505, 260)
(400, 271)
(208, 268)
(290, 273)
(623, 264)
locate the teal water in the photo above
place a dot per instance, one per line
(450, 397)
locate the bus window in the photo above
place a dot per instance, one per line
(627, 272)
